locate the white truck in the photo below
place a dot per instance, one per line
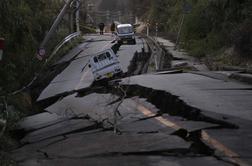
(105, 65)
(125, 34)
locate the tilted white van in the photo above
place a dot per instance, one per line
(105, 65)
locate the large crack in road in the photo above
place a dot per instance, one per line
(169, 104)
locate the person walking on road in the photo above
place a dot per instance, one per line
(112, 28)
(101, 27)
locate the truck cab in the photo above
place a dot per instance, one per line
(105, 65)
(125, 34)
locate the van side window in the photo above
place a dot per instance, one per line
(102, 57)
(95, 59)
(108, 55)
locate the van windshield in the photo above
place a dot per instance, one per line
(125, 30)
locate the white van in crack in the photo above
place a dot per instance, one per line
(105, 65)
(125, 33)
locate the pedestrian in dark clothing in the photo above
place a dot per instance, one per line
(101, 27)
(112, 28)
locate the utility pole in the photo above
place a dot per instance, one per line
(179, 32)
(156, 29)
(119, 16)
(77, 16)
(136, 20)
(108, 16)
(131, 18)
(148, 28)
(71, 22)
(55, 24)
(187, 8)
(41, 52)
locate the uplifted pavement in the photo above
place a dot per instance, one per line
(77, 75)
(203, 92)
(215, 98)
(138, 141)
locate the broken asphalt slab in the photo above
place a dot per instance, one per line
(86, 146)
(73, 77)
(131, 119)
(76, 75)
(203, 93)
(58, 129)
(137, 139)
(219, 101)
(237, 140)
(112, 149)
(39, 121)
(154, 160)
(103, 143)
(97, 107)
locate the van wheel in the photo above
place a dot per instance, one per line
(120, 75)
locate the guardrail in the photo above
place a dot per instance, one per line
(63, 42)
(157, 52)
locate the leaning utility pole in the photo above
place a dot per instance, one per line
(41, 51)
(187, 8)
(56, 23)
(77, 16)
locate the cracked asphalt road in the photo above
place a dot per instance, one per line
(169, 119)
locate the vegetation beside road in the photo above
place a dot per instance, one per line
(23, 25)
(219, 29)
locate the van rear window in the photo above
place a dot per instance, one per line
(102, 57)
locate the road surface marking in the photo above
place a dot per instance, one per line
(232, 156)
(162, 120)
